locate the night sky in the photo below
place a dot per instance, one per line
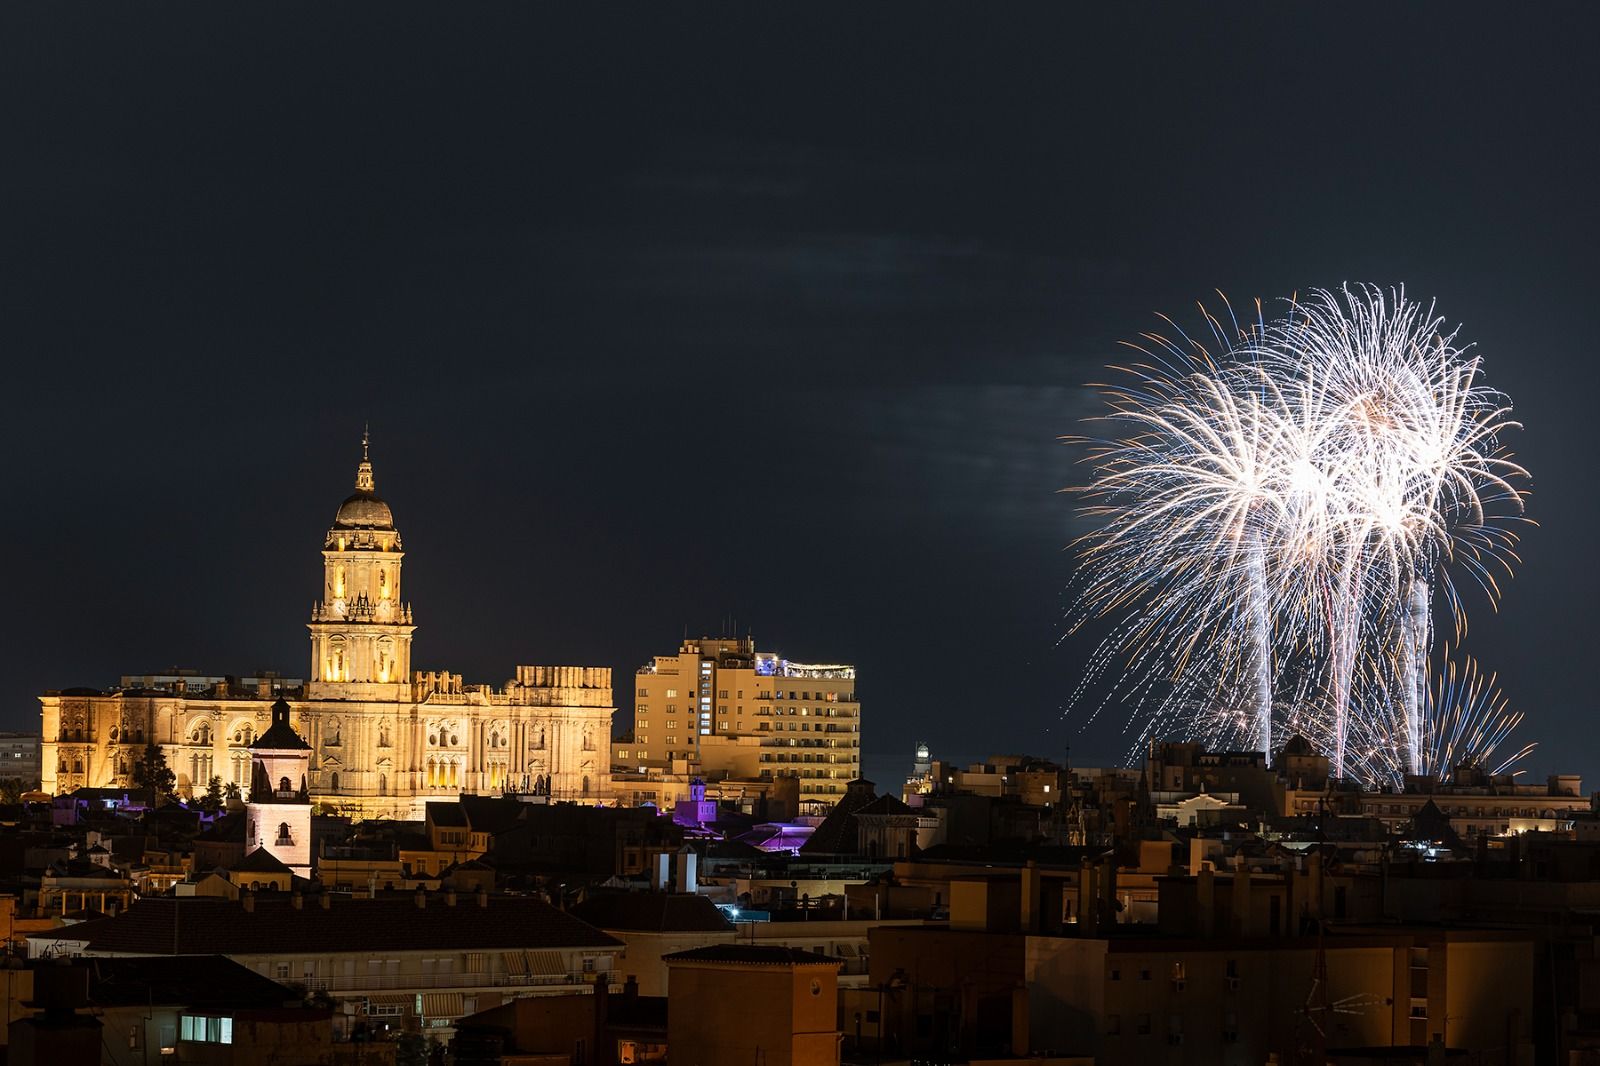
(755, 315)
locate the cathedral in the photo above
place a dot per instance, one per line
(383, 738)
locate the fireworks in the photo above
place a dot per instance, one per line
(1279, 503)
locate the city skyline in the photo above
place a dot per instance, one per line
(636, 363)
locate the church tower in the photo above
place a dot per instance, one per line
(278, 814)
(360, 631)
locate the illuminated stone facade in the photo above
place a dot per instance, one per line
(278, 817)
(384, 739)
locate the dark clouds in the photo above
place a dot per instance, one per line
(664, 316)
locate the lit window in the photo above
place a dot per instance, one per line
(205, 1030)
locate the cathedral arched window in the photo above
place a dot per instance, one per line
(284, 837)
(538, 736)
(113, 734)
(588, 740)
(334, 779)
(62, 768)
(337, 666)
(284, 786)
(586, 786)
(77, 766)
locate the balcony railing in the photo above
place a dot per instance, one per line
(388, 982)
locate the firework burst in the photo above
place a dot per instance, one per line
(1276, 506)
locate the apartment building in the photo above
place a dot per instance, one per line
(412, 961)
(806, 716)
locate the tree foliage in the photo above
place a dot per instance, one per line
(151, 771)
(212, 800)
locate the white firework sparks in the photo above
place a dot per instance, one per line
(1275, 510)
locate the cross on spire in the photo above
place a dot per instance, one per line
(364, 479)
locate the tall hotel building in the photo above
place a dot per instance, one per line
(804, 717)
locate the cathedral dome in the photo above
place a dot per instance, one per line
(364, 510)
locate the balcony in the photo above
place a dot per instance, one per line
(360, 984)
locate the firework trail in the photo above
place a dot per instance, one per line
(1275, 503)
(1414, 444)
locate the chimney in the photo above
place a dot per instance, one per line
(630, 990)
(1242, 924)
(1314, 895)
(1205, 899)
(1088, 898)
(687, 863)
(661, 873)
(421, 898)
(248, 899)
(1030, 897)
(483, 896)
(602, 1008)
(326, 900)
(297, 901)
(450, 897)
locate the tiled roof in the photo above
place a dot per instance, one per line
(652, 912)
(200, 925)
(1011, 853)
(260, 861)
(451, 815)
(886, 804)
(751, 955)
(838, 834)
(491, 814)
(228, 829)
(184, 981)
(281, 735)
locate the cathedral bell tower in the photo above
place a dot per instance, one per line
(360, 630)
(278, 813)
